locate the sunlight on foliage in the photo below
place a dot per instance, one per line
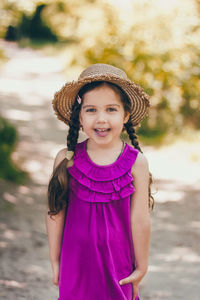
(156, 42)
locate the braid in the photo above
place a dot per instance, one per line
(74, 127)
(133, 137)
(58, 190)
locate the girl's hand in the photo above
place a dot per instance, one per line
(135, 277)
(55, 278)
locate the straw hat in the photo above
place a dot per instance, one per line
(65, 97)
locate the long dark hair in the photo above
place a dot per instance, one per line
(58, 184)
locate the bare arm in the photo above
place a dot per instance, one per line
(54, 229)
(140, 216)
(140, 222)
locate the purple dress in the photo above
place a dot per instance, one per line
(97, 248)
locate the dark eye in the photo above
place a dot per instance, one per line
(112, 109)
(90, 110)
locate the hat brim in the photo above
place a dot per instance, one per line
(65, 97)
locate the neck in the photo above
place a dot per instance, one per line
(95, 147)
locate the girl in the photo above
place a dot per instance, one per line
(99, 196)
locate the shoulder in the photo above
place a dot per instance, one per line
(59, 157)
(140, 166)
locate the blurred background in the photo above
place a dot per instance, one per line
(43, 44)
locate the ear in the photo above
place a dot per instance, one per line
(127, 115)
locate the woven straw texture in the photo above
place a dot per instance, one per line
(65, 97)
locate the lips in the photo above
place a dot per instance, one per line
(102, 132)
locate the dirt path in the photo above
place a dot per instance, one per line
(27, 84)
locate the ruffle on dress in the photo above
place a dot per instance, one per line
(102, 183)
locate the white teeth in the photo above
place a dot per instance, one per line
(101, 129)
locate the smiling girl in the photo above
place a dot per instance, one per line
(99, 197)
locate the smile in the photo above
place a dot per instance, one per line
(101, 129)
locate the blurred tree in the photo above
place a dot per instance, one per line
(10, 16)
(169, 73)
(190, 89)
(11, 33)
(8, 140)
(148, 43)
(33, 27)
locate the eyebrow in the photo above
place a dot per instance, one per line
(84, 106)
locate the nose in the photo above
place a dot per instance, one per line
(101, 117)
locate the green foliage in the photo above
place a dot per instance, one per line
(146, 49)
(3, 57)
(172, 82)
(190, 106)
(32, 27)
(8, 140)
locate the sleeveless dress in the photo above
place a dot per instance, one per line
(97, 248)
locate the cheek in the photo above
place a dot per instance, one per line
(83, 118)
(114, 120)
(118, 119)
(80, 118)
(87, 120)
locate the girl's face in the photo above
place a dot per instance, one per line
(102, 115)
